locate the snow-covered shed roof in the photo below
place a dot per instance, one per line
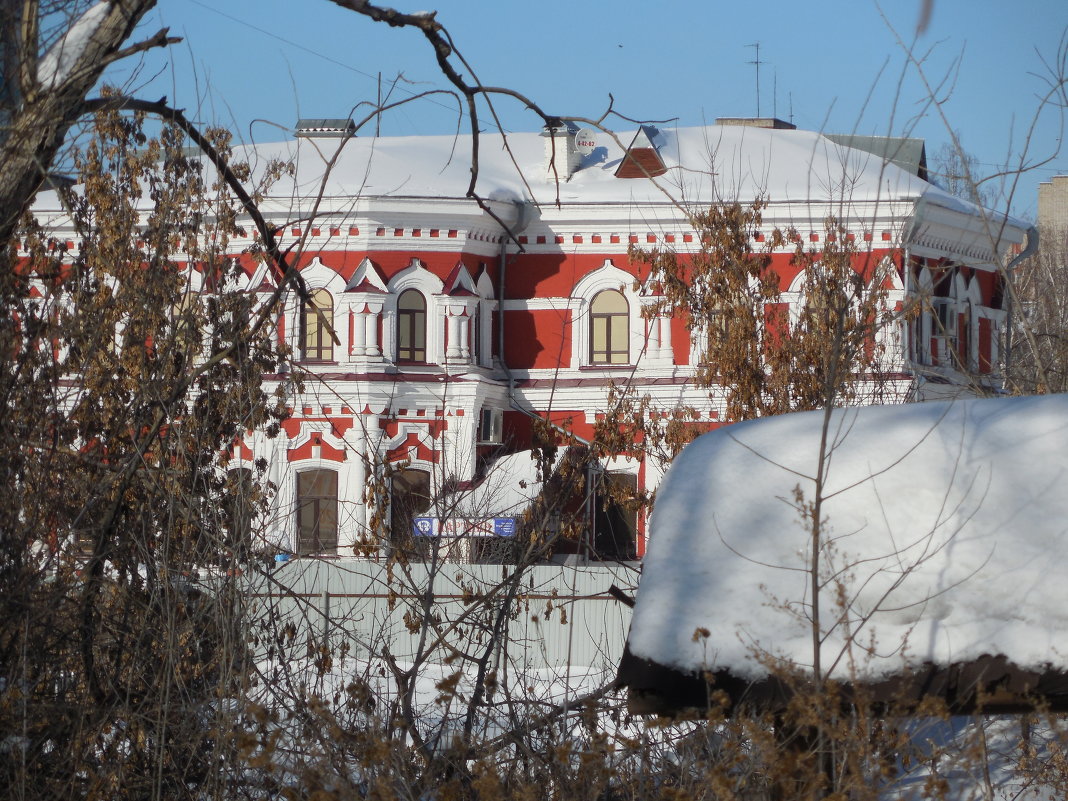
(944, 545)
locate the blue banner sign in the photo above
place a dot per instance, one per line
(458, 527)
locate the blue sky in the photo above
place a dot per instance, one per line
(258, 65)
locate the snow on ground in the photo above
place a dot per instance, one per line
(946, 526)
(982, 759)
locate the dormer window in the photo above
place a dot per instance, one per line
(316, 322)
(411, 326)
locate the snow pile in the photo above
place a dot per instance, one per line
(945, 537)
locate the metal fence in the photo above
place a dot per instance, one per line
(547, 616)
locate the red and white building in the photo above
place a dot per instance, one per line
(460, 325)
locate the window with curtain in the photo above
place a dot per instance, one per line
(609, 328)
(411, 326)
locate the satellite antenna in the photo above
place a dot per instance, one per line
(586, 141)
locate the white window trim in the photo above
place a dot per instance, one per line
(317, 276)
(416, 276)
(607, 276)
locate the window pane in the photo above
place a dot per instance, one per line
(610, 301)
(316, 342)
(619, 339)
(609, 328)
(411, 327)
(600, 334)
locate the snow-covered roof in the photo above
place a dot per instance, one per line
(510, 485)
(791, 169)
(945, 538)
(703, 164)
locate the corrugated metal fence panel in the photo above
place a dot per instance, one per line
(550, 616)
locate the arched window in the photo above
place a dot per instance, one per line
(411, 326)
(609, 328)
(317, 345)
(317, 511)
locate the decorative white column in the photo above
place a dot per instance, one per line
(356, 325)
(358, 438)
(458, 315)
(652, 338)
(665, 337)
(658, 338)
(370, 320)
(465, 336)
(453, 351)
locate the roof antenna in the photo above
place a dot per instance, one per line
(757, 62)
(775, 93)
(378, 116)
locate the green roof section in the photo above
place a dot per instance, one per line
(908, 153)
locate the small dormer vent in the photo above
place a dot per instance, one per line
(642, 159)
(326, 128)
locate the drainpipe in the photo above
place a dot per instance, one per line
(1029, 250)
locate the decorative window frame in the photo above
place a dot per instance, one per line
(486, 309)
(307, 466)
(283, 472)
(923, 325)
(965, 298)
(796, 297)
(969, 297)
(415, 276)
(607, 276)
(316, 276)
(411, 326)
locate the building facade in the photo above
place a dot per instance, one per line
(446, 336)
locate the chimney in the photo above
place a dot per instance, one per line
(562, 158)
(325, 128)
(757, 122)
